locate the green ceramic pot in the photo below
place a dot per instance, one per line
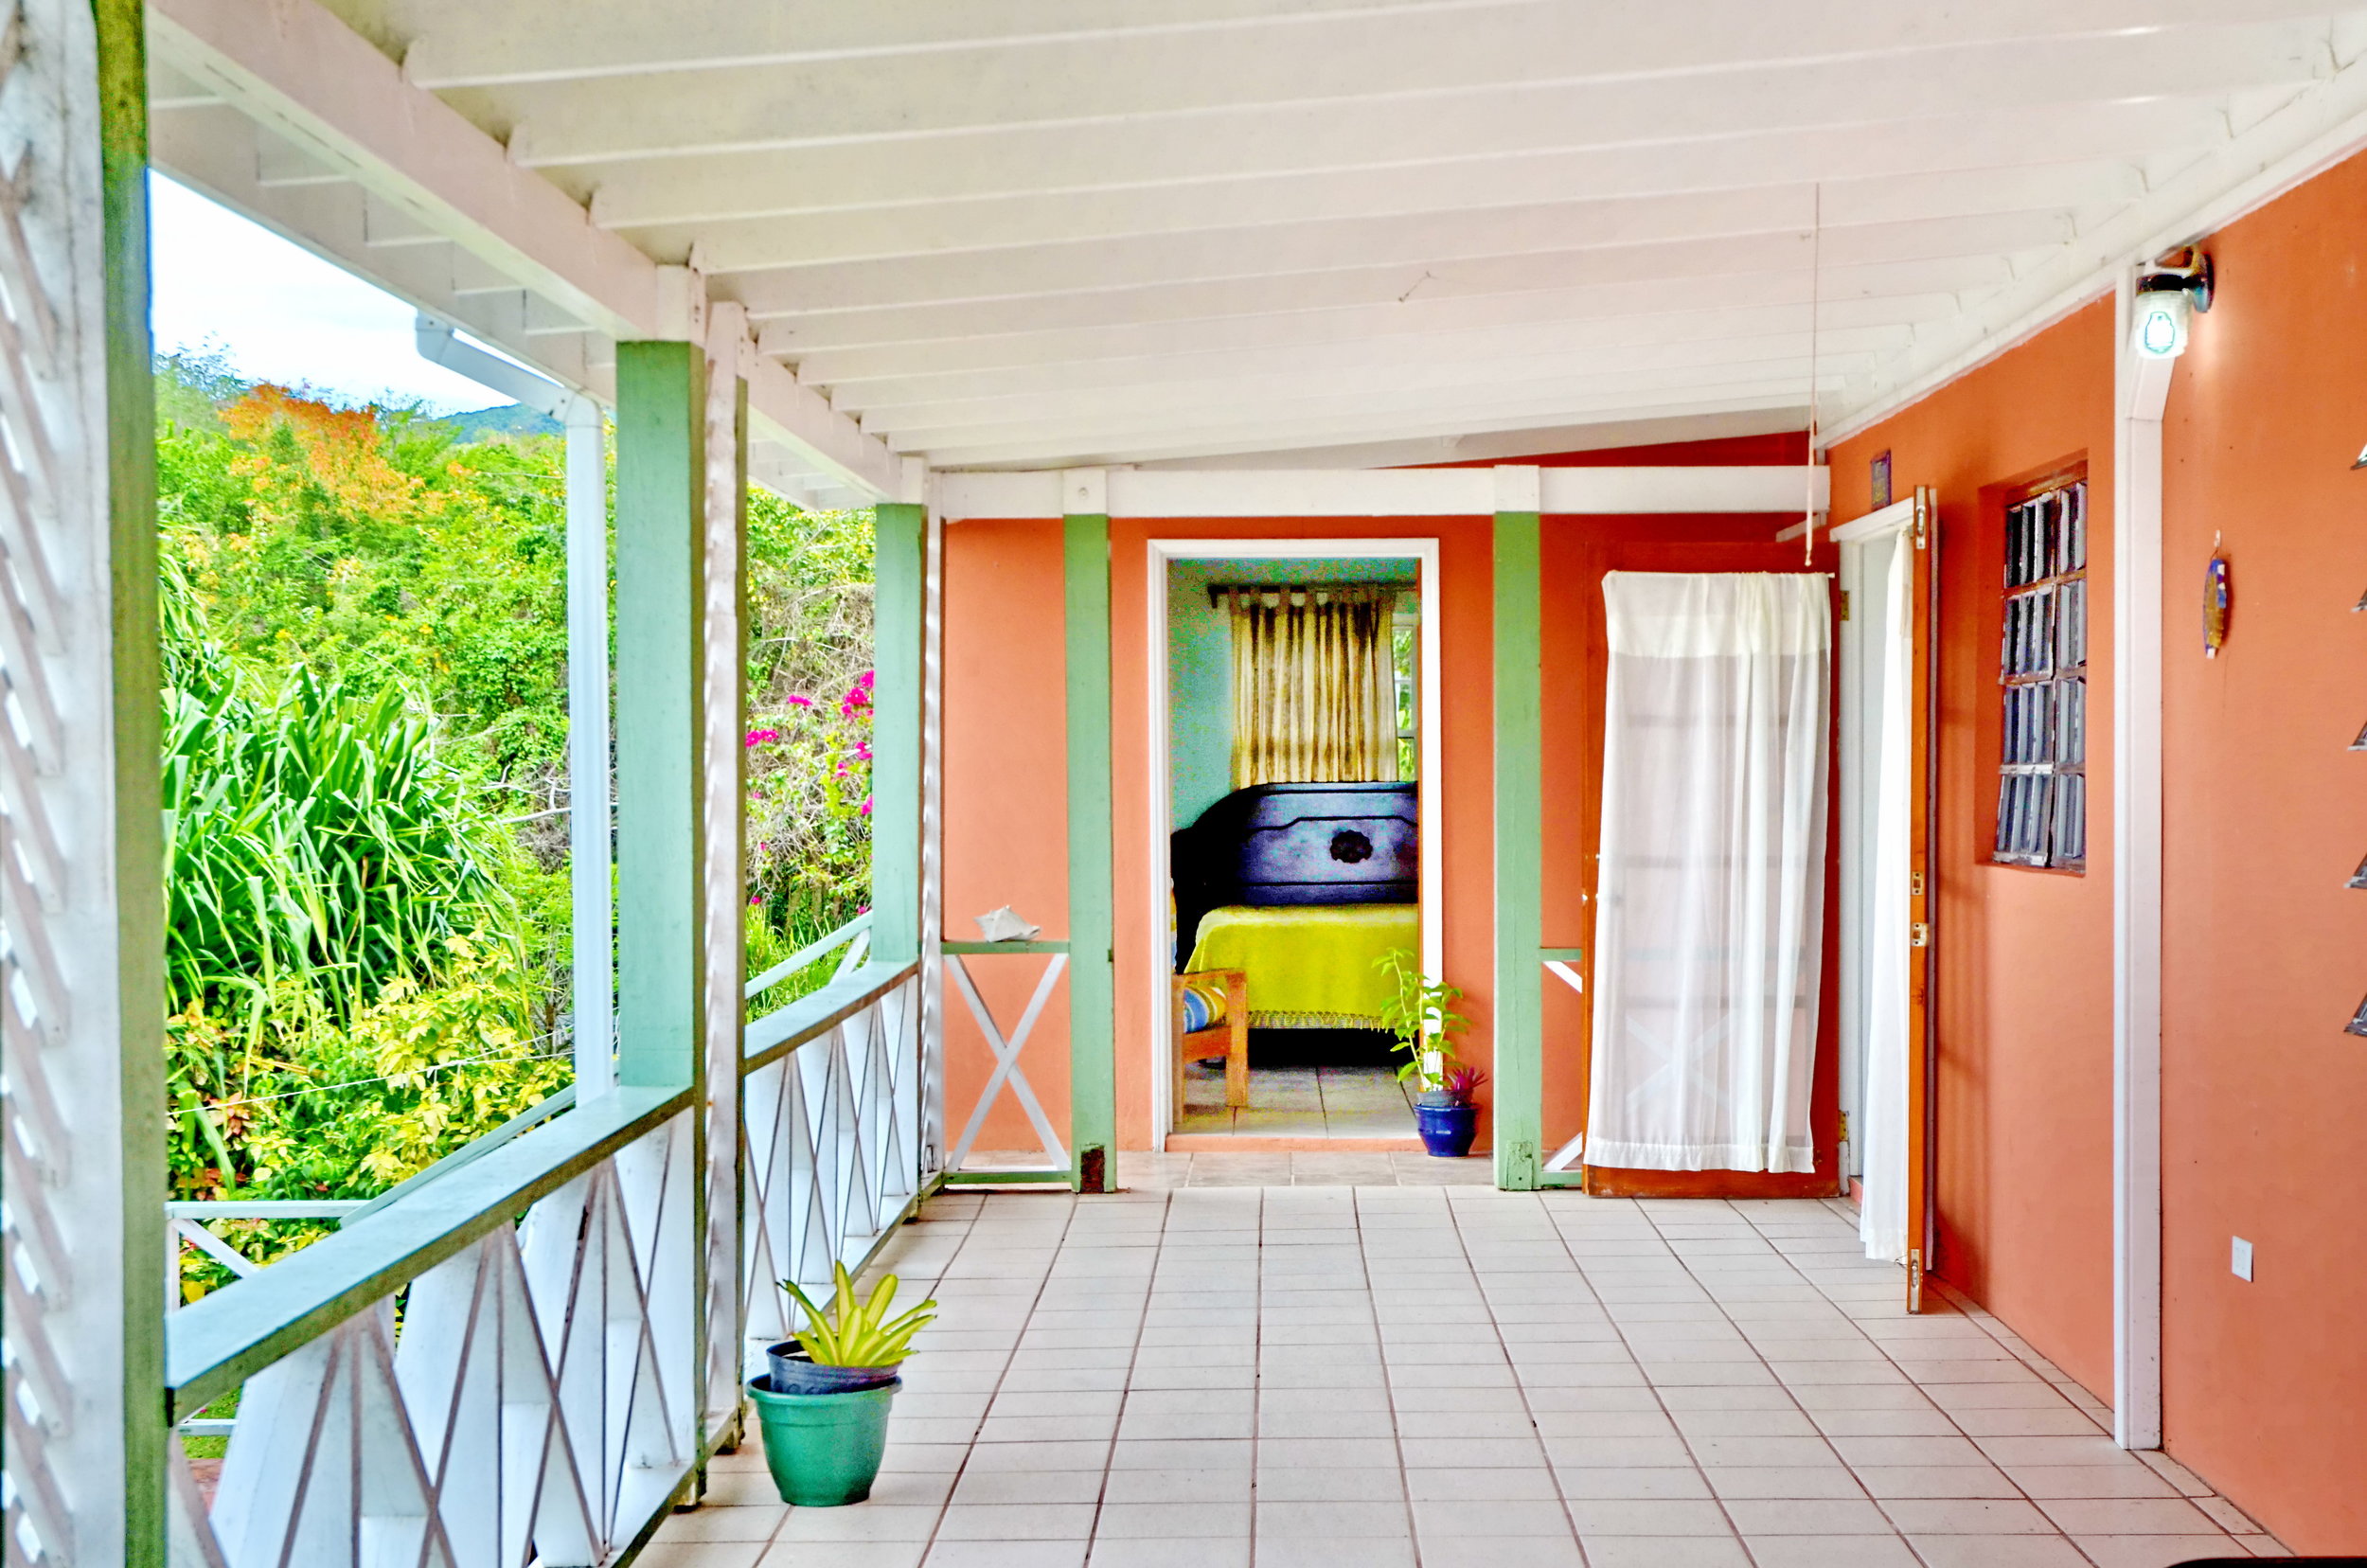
(823, 1450)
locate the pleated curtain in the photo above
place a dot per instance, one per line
(1710, 931)
(1314, 692)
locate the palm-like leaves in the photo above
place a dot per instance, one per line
(858, 1333)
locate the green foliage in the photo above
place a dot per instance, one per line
(1420, 1014)
(858, 1333)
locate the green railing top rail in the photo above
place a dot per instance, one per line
(778, 1033)
(968, 949)
(221, 1339)
(808, 954)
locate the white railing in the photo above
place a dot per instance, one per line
(440, 1381)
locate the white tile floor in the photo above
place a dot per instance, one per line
(1302, 1376)
(1299, 1102)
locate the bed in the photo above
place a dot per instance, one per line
(1301, 887)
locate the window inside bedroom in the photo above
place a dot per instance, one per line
(2043, 682)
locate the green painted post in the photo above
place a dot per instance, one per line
(661, 483)
(901, 542)
(1092, 985)
(139, 855)
(1520, 849)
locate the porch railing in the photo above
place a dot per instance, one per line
(500, 1365)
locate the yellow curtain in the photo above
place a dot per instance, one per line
(1314, 694)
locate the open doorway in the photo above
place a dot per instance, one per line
(1294, 739)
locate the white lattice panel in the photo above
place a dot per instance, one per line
(536, 1404)
(832, 1157)
(61, 1029)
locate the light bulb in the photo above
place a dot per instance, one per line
(2160, 329)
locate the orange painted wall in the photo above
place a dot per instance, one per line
(1005, 781)
(2264, 956)
(1465, 592)
(2024, 992)
(2264, 950)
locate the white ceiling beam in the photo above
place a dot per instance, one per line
(307, 78)
(1776, 354)
(1953, 270)
(1749, 330)
(1654, 310)
(1464, 250)
(1347, 414)
(1386, 492)
(951, 195)
(2316, 130)
(457, 43)
(1218, 450)
(1507, 446)
(1363, 202)
(1437, 77)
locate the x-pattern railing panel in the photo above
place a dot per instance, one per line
(535, 1406)
(832, 1157)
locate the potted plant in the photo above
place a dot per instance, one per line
(1421, 1015)
(824, 1406)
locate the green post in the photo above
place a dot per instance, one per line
(661, 482)
(138, 742)
(1520, 849)
(901, 542)
(1092, 985)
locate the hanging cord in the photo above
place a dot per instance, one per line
(1816, 278)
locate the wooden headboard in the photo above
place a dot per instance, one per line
(1285, 845)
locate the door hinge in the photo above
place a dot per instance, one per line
(1844, 1134)
(1914, 1280)
(1914, 885)
(1844, 604)
(1923, 519)
(1919, 934)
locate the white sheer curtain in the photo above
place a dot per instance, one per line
(1889, 677)
(1709, 936)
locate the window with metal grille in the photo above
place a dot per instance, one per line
(2042, 679)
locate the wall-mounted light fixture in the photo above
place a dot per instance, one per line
(2169, 295)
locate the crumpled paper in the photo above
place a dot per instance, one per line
(1003, 925)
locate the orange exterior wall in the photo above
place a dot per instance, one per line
(2024, 990)
(2264, 950)
(1005, 739)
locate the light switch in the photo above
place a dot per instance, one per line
(2239, 1258)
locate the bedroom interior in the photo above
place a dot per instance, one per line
(1293, 721)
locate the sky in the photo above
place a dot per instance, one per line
(281, 314)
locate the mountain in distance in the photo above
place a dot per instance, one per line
(478, 424)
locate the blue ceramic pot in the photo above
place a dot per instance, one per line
(1446, 1129)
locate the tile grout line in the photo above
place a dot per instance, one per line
(1126, 1394)
(1544, 1214)
(928, 1547)
(1388, 1382)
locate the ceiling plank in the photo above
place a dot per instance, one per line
(1434, 77)
(1049, 183)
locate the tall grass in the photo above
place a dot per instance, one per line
(316, 843)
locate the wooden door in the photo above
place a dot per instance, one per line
(1922, 1028)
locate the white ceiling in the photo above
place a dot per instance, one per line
(1062, 232)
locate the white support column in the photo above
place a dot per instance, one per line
(932, 1056)
(82, 1014)
(723, 697)
(2142, 387)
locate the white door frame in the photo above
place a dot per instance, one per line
(1157, 557)
(1856, 811)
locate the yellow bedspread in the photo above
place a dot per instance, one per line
(1309, 967)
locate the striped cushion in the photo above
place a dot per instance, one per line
(1203, 1004)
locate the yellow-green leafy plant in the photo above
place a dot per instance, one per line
(857, 1333)
(1421, 1013)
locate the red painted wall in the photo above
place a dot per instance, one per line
(2265, 955)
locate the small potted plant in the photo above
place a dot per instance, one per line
(1421, 1015)
(825, 1404)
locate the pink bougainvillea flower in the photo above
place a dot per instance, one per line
(801, 702)
(763, 736)
(865, 809)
